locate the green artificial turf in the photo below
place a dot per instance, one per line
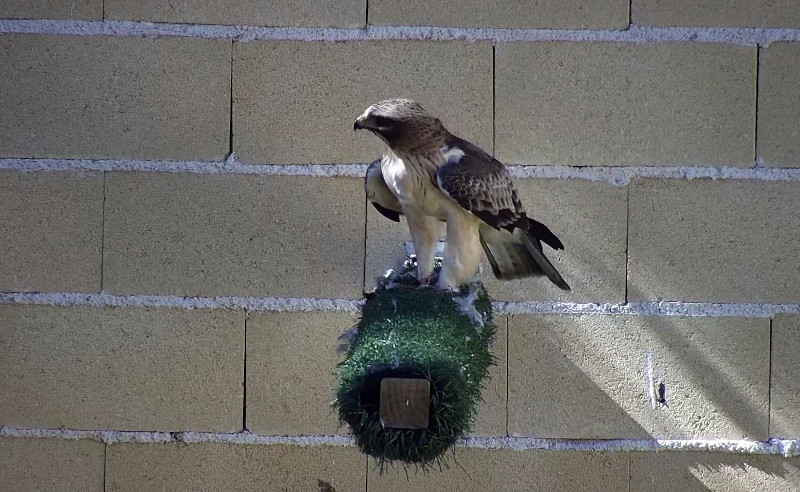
(411, 332)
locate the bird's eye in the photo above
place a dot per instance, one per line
(382, 121)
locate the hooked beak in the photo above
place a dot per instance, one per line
(359, 123)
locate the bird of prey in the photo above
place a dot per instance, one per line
(429, 175)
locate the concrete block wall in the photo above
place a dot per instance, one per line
(183, 236)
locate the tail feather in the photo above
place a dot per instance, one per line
(541, 231)
(535, 249)
(517, 255)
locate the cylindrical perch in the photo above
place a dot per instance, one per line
(410, 382)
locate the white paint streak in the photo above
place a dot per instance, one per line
(617, 176)
(635, 34)
(782, 447)
(649, 381)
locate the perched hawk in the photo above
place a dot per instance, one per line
(430, 175)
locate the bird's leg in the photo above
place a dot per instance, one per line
(424, 234)
(462, 251)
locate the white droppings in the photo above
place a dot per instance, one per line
(634, 34)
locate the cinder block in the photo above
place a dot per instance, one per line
(779, 104)
(51, 227)
(548, 14)
(51, 9)
(614, 104)
(491, 419)
(210, 235)
(589, 218)
(600, 377)
(47, 465)
(121, 368)
(224, 467)
(291, 375)
(295, 102)
(720, 241)
(694, 471)
(388, 244)
(303, 13)
(716, 13)
(785, 378)
(291, 372)
(481, 470)
(114, 97)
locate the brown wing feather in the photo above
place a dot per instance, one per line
(482, 185)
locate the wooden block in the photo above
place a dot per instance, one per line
(405, 403)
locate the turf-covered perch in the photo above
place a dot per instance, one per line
(408, 332)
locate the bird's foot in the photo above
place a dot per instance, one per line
(430, 281)
(445, 287)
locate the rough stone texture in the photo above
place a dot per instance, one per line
(492, 418)
(51, 9)
(209, 235)
(716, 13)
(692, 471)
(288, 104)
(484, 470)
(48, 465)
(779, 104)
(386, 246)
(109, 97)
(121, 368)
(291, 375)
(589, 218)
(226, 467)
(548, 14)
(613, 104)
(303, 13)
(721, 241)
(785, 378)
(587, 377)
(51, 225)
(291, 372)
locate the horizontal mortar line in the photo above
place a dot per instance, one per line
(229, 166)
(622, 176)
(618, 176)
(634, 34)
(783, 447)
(652, 308)
(308, 304)
(304, 304)
(774, 446)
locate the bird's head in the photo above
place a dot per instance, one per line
(404, 125)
